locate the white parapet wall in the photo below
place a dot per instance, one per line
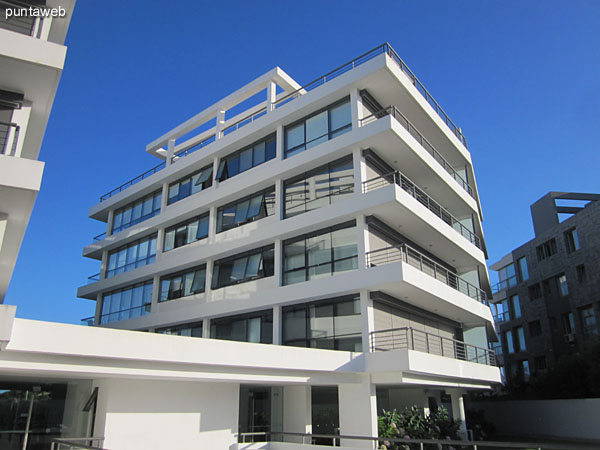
(568, 419)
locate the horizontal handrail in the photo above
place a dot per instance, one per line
(244, 121)
(76, 443)
(145, 307)
(89, 321)
(307, 438)
(415, 133)
(423, 341)
(7, 147)
(502, 317)
(504, 284)
(404, 253)
(93, 278)
(203, 143)
(133, 181)
(100, 236)
(405, 183)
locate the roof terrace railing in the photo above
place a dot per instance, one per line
(384, 48)
(416, 192)
(401, 118)
(412, 339)
(404, 253)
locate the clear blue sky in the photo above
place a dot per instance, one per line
(522, 79)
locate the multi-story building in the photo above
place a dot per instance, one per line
(297, 266)
(546, 301)
(32, 56)
(340, 215)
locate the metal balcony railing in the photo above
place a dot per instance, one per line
(502, 317)
(504, 284)
(87, 443)
(422, 341)
(405, 183)
(9, 136)
(404, 253)
(401, 118)
(384, 48)
(93, 278)
(310, 439)
(100, 236)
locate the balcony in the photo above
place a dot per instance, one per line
(502, 317)
(404, 253)
(236, 123)
(9, 136)
(419, 194)
(408, 338)
(401, 118)
(504, 284)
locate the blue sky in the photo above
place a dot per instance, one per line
(520, 77)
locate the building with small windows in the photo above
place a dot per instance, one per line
(300, 258)
(546, 302)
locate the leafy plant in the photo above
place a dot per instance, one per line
(412, 424)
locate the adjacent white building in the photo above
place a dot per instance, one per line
(315, 254)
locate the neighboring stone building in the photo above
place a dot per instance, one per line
(546, 302)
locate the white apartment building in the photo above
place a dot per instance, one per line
(32, 56)
(302, 257)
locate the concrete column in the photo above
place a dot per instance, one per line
(362, 241)
(277, 330)
(297, 410)
(164, 197)
(98, 311)
(43, 30)
(215, 170)
(278, 261)
(367, 317)
(103, 265)
(206, 328)
(458, 410)
(354, 107)
(160, 238)
(271, 95)
(155, 293)
(212, 224)
(358, 413)
(219, 126)
(359, 169)
(170, 151)
(280, 142)
(208, 281)
(279, 200)
(109, 222)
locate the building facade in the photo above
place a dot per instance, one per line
(289, 267)
(32, 56)
(546, 301)
(342, 215)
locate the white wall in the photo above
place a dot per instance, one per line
(572, 418)
(157, 415)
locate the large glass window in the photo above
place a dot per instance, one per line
(132, 256)
(563, 286)
(331, 324)
(247, 158)
(137, 212)
(507, 276)
(187, 232)
(510, 347)
(572, 240)
(252, 265)
(319, 187)
(254, 327)
(186, 329)
(521, 338)
(247, 209)
(320, 254)
(196, 182)
(183, 284)
(523, 270)
(319, 127)
(588, 320)
(126, 303)
(546, 250)
(516, 306)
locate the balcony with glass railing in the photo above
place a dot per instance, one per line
(504, 284)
